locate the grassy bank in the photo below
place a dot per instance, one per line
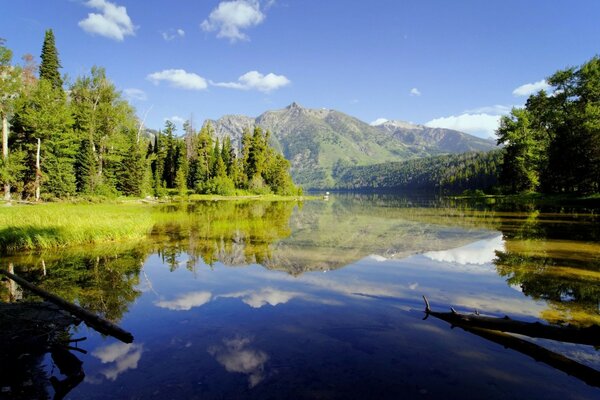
(44, 226)
(62, 224)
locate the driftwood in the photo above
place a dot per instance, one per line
(493, 330)
(570, 334)
(92, 320)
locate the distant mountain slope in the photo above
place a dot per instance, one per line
(315, 140)
(435, 139)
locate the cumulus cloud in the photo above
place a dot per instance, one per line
(171, 34)
(415, 92)
(231, 17)
(112, 21)
(256, 80)
(531, 88)
(379, 121)
(481, 124)
(186, 301)
(135, 94)
(179, 78)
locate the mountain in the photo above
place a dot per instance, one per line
(316, 140)
(435, 139)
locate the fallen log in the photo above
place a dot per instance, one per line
(571, 367)
(569, 333)
(92, 320)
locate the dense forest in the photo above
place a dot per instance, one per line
(552, 145)
(61, 140)
(451, 173)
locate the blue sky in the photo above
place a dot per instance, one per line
(457, 64)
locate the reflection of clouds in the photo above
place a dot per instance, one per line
(259, 298)
(236, 356)
(377, 257)
(186, 301)
(476, 253)
(122, 357)
(497, 304)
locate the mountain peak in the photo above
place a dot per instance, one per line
(294, 105)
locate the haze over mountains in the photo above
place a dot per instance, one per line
(314, 140)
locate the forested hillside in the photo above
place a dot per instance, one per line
(84, 138)
(448, 173)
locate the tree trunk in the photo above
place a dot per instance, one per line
(38, 172)
(5, 153)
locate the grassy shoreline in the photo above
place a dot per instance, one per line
(62, 224)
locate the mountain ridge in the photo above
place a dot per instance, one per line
(315, 140)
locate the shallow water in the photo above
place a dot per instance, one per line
(323, 300)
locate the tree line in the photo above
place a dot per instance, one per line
(87, 140)
(552, 145)
(452, 173)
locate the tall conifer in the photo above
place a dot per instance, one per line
(50, 63)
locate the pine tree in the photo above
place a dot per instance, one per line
(85, 168)
(50, 63)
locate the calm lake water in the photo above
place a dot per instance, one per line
(323, 300)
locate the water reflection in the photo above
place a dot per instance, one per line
(120, 357)
(186, 301)
(237, 355)
(235, 293)
(262, 297)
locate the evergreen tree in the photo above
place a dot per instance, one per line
(85, 168)
(170, 160)
(50, 64)
(10, 86)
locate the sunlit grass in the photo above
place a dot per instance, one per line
(47, 226)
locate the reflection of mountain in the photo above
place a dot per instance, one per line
(331, 235)
(319, 236)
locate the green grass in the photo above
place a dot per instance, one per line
(45, 226)
(57, 225)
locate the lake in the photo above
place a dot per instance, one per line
(323, 300)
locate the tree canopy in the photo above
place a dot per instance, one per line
(553, 143)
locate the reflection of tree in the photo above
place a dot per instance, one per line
(545, 257)
(101, 280)
(234, 233)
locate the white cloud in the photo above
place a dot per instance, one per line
(172, 34)
(256, 80)
(113, 22)
(230, 17)
(179, 78)
(496, 109)
(482, 124)
(531, 88)
(379, 121)
(186, 301)
(135, 94)
(415, 92)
